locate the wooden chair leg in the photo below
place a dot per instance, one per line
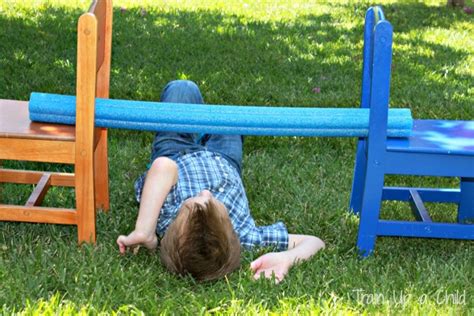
(1, 186)
(85, 200)
(101, 167)
(369, 216)
(466, 203)
(360, 167)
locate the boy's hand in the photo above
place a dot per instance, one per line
(273, 263)
(136, 239)
(300, 247)
(161, 177)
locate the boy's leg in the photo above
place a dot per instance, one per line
(229, 146)
(169, 144)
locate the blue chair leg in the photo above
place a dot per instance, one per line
(466, 202)
(369, 216)
(360, 167)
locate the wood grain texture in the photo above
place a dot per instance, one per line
(84, 146)
(38, 194)
(15, 123)
(37, 214)
(37, 150)
(30, 177)
(104, 15)
(85, 101)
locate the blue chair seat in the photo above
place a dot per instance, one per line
(435, 148)
(437, 137)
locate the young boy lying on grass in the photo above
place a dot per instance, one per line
(193, 198)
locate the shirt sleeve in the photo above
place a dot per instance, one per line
(138, 186)
(275, 235)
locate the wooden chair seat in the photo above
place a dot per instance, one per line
(15, 123)
(83, 145)
(21, 139)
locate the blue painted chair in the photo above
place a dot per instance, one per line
(435, 148)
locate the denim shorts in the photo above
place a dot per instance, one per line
(172, 144)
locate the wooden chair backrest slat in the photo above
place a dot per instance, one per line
(86, 75)
(98, 9)
(94, 41)
(102, 10)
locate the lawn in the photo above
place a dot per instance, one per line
(300, 53)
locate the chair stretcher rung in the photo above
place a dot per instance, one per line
(38, 214)
(31, 177)
(38, 194)
(418, 208)
(427, 194)
(425, 230)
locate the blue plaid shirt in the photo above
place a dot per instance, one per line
(205, 170)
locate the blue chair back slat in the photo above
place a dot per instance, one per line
(380, 85)
(367, 61)
(373, 16)
(375, 95)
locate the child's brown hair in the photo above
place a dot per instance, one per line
(201, 242)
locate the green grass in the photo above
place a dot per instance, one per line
(242, 52)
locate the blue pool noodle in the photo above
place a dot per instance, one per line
(219, 119)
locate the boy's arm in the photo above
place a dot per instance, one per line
(160, 178)
(300, 248)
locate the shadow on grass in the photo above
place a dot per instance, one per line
(38, 52)
(417, 16)
(237, 61)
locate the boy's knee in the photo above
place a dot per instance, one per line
(184, 85)
(182, 91)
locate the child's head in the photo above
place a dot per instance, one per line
(201, 241)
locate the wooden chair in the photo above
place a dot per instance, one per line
(83, 145)
(436, 148)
